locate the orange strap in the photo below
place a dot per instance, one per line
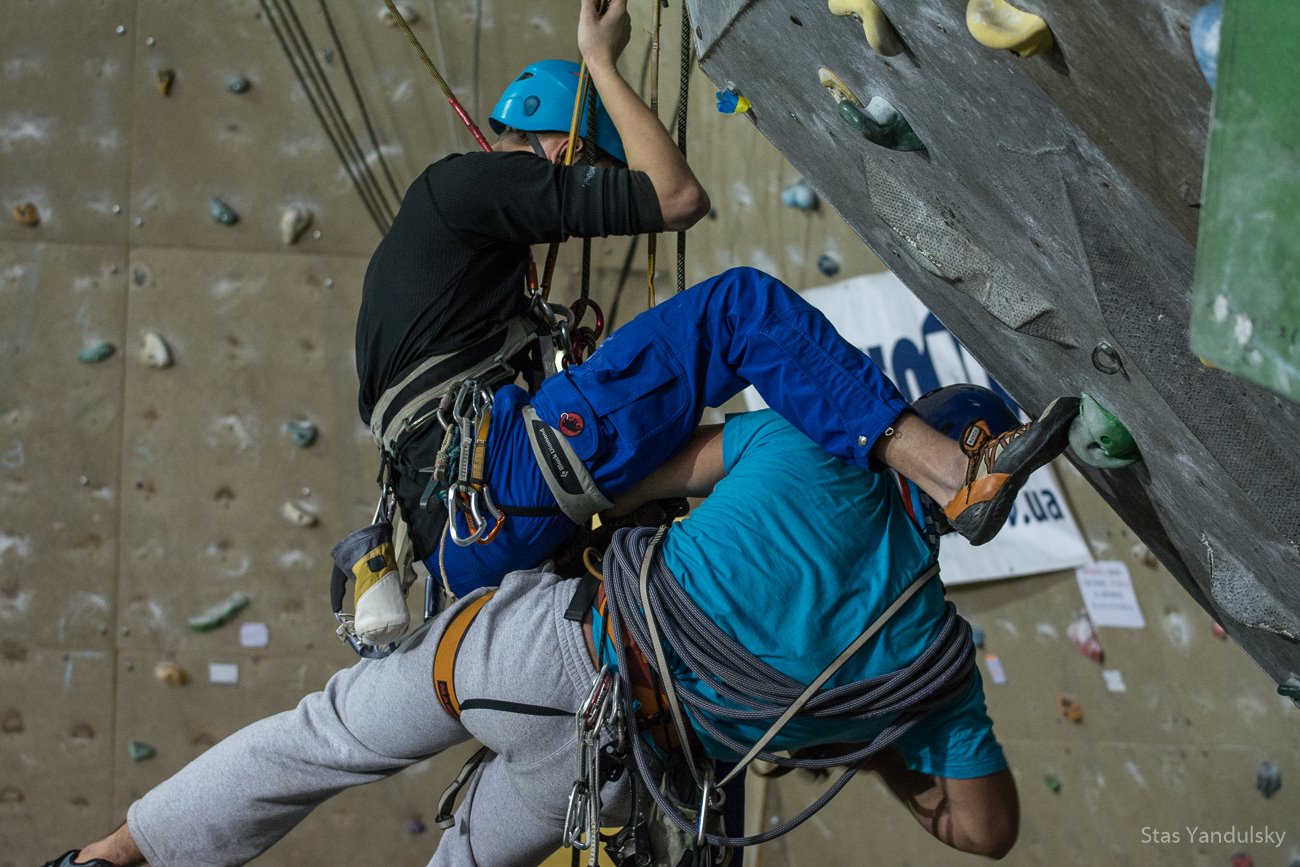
(444, 658)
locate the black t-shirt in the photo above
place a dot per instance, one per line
(452, 266)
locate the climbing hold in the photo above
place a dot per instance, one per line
(296, 513)
(406, 11)
(12, 795)
(1206, 26)
(1290, 688)
(13, 722)
(997, 24)
(1144, 555)
(26, 214)
(1241, 859)
(1069, 707)
(220, 613)
(293, 222)
(415, 826)
(1052, 782)
(166, 77)
(881, 35)
(1100, 439)
(236, 83)
(154, 350)
(977, 636)
(1268, 778)
(171, 674)
(878, 121)
(139, 751)
(1218, 631)
(828, 265)
(1085, 638)
(302, 432)
(799, 195)
(97, 353)
(897, 134)
(730, 101)
(222, 213)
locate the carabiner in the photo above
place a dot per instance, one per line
(454, 497)
(575, 817)
(497, 515)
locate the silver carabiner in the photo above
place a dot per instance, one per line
(707, 790)
(575, 817)
(452, 500)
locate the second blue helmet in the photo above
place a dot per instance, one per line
(540, 99)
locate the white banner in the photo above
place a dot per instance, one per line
(879, 314)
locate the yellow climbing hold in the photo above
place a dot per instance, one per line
(881, 35)
(837, 87)
(998, 24)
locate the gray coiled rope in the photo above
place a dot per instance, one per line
(938, 676)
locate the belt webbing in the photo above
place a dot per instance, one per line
(444, 657)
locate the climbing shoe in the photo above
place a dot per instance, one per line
(998, 466)
(68, 859)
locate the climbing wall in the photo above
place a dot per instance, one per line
(1050, 222)
(135, 496)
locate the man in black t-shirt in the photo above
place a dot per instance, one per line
(451, 272)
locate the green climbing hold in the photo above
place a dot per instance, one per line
(222, 213)
(302, 432)
(95, 354)
(219, 613)
(1100, 439)
(139, 751)
(237, 83)
(1052, 782)
(880, 123)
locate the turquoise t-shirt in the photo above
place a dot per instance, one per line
(793, 554)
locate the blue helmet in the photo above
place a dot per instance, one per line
(950, 410)
(541, 100)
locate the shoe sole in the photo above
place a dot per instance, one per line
(998, 509)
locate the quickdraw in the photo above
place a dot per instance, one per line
(602, 709)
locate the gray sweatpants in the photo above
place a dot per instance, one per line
(237, 799)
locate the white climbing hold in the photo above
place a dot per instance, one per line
(154, 350)
(293, 222)
(297, 513)
(406, 11)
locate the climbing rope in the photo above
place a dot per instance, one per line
(437, 77)
(683, 103)
(298, 50)
(652, 242)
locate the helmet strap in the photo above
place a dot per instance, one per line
(537, 145)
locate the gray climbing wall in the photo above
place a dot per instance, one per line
(131, 497)
(1054, 210)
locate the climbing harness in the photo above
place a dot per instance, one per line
(646, 601)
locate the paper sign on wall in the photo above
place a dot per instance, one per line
(1108, 592)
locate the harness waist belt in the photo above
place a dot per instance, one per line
(491, 355)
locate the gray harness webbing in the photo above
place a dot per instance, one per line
(646, 597)
(519, 332)
(568, 478)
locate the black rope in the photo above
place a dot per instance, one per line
(356, 93)
(683, 106)
(329, 132)
(317, 73)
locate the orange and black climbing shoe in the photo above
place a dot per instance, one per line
(998, 466)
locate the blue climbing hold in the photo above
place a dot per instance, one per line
(730, 100)
(799, 195)
(222, 213)
(828, 265)
(1205, 39)
(236, 83)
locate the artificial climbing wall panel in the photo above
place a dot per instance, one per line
(1050, 224)
(132, 497)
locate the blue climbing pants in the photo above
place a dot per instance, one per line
(637, 400)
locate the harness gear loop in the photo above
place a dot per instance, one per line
(446, 816)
